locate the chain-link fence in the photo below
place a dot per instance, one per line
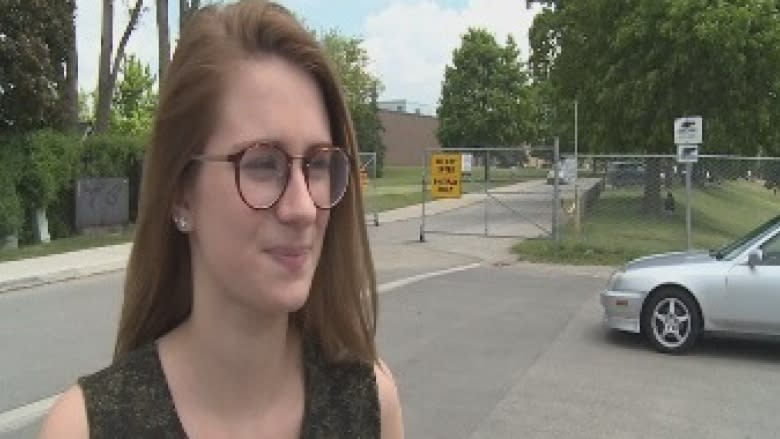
(368, 174)
(638, 204)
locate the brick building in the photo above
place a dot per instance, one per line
(407, 136)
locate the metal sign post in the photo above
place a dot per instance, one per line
(688, 137)
(688, 233)
(423, 192)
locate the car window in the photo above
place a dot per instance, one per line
(771, 251)
(735, 248)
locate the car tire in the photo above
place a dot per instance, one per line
(671, 321)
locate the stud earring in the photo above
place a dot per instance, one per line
(182, 224)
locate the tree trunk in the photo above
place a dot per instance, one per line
(103, 106)
(163, 39)
(651, 203)
(72, 82)
(108, 78)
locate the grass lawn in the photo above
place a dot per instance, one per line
(615, 231)
(65, 245)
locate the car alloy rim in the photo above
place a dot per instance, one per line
(671, 322)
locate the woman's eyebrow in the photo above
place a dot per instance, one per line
(279, 143)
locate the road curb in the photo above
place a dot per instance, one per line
(60, 276)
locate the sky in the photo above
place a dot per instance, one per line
(409, 42)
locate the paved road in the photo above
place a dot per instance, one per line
(53, 333)
(520, 351)
(497, 351)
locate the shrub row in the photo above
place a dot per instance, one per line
(40, 169)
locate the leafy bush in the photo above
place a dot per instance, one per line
(11, 213)
(111, 155)
(39, 169)
(49, 161)
(11, 210)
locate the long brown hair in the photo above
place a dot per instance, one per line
(341, 309)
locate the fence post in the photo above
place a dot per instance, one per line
(577, 209)
(556, 193)
(485, 200)
(373, 184)
(688, 171)
(422, 193)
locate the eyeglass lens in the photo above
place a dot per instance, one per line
(264, 172)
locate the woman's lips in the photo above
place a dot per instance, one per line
(291, 258)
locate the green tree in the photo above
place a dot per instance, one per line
(350, 60)
(134, 98)
(485, 97)
(36, 64)
(636, 66)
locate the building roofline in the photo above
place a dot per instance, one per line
(406, 113)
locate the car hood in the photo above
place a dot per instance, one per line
(670, 259)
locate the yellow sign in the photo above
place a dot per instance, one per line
(445, 174)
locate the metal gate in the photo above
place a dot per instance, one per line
(367, 180)
(503, 192)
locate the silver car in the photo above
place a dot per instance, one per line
(672, 298)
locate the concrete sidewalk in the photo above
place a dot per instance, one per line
(32, 272)
(27, 273)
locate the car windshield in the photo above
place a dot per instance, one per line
(733, 249)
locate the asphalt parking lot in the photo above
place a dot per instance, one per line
(520, 351)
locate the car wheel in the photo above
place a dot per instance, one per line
(671, 321)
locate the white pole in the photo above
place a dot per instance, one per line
(688, 172)
(576, 129)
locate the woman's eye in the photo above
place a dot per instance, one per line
(320, 163)
(261, 164)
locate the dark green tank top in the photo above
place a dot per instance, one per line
(131, 399)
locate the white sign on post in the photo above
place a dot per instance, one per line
(688, 137)
(466, 163)
(688, 130)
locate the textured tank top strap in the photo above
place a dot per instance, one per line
(131, 399)
(341, 397)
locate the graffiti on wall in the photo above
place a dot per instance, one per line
(102, 202)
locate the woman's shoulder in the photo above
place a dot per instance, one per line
(389, 402)
(67, 417)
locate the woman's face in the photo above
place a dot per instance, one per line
(264, 259)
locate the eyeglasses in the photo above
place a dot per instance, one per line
(262, 173)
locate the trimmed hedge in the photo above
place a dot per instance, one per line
(39, 170)
(11, 165)
(11, 210)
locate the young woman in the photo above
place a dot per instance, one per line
(250, 298)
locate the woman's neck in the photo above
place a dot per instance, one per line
(235, 362)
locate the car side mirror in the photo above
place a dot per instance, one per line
(754, 258)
